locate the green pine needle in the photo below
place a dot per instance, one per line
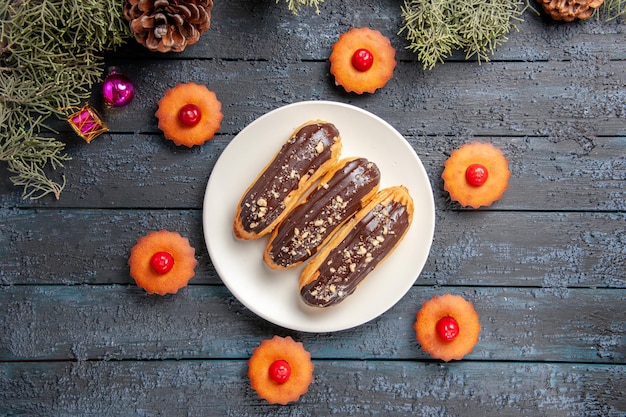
(295, 5)
(50, 57)
(612, 10)
(436, 28)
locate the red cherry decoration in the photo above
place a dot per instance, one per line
(476, 174)
(447, 328)
(162, 262)
(362, 59)
(280, 371)
(190, 115)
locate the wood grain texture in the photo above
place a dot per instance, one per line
(481, 248)
(544, 266)
(547, 98)
(206, 322)
(390, 388)
(565, 173)
(538, 249)
(273, 34)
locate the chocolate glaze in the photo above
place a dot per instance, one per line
(309, 224)
(367, 244)
(298, 158)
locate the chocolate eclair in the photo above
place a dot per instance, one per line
(343, 191)
(357, 248)
(306, 156)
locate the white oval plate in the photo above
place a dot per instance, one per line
(273, 295)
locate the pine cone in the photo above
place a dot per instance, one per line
(568, 10)
(164, 26)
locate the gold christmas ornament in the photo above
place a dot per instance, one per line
(168, 25)
(568, 10)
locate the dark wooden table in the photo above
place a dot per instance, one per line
(544, 267)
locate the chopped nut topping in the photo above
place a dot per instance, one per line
(320, 147)
(261, 202)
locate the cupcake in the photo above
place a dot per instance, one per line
(447, 327)
(362, 60)
(476, 174)
(162, 262)
(280, 370)
(189, 114)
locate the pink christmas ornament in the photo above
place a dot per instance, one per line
(117, 89)
(87, 123)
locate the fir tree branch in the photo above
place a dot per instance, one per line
(436, 28)
(430, 34)
(295, 5)
(612, 10)
(35, 181)
(49, 59)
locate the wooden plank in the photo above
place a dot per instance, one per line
(206, 322)
(572, 98)
(544, 266)
(275, 34)
(524, 249)
(566, 172)
(183, 388)
(56, 247)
